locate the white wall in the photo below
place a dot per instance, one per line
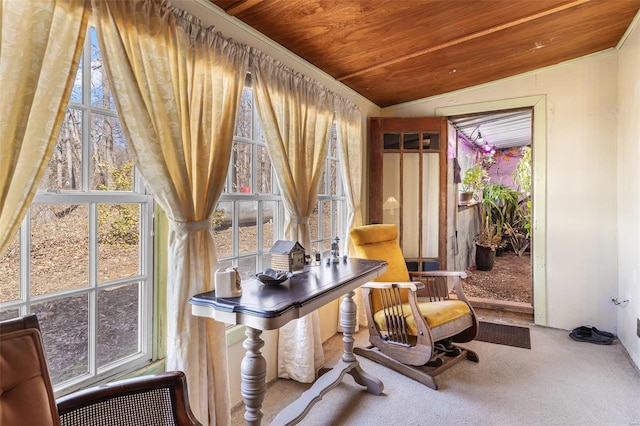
(628, 191)
(581, 180)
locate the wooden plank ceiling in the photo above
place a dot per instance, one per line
(394, 51)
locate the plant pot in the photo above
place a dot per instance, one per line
(465, 197)
(485, 257)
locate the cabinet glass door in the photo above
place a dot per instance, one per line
(409, 191)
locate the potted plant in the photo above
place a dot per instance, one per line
(475, 178)
(500, 204)
(487, 242)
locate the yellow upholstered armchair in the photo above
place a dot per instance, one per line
(414, 318)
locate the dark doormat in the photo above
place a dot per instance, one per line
(501, 334)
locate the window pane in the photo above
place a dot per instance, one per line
(431, 141)
(111, 169)
(9, 314)
(118, 317)
(411, 141)
(326, 248)
(241, 167)
(327, 232)
(314, 224)
(266, 260)
(223, 265)
(247, 267)
(245, 116)
(263, 171)
(76, 91)
(334, 218)
(410, 203)
(64, 324)
(10, 271)
(118, 241)
(248, 226)
(333, 142)
(65, 166)
(269, 214)
(334, 176)
(100, 87)
(223, 229)
(391, 140)
(260, 133)
(322, 187)
(59, 247)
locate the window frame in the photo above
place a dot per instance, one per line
(92, 199)
(338, 202)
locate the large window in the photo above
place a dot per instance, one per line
(82, 260)
(329, 216)
(249, 217)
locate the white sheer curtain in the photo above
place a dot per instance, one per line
(177, 88)
(349, 121)
(296, 115)
(40, 46)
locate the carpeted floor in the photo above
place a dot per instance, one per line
(557, 382)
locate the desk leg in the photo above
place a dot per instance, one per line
(348, 310)
(296, 411)
(253, 373)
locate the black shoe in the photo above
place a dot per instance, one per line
(585, 334)
(587, 329)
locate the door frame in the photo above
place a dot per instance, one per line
(539, 195)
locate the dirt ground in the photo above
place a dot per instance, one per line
(509, 280)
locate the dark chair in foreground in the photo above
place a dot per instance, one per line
(26, 393)
(413, 321)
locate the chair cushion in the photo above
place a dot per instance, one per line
(26, 394)
(380, 242)
(436, 314)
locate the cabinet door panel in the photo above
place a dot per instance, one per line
(407, 185)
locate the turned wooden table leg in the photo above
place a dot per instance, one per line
(253, 373)
(348, 310)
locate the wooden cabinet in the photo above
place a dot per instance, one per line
(407, 185)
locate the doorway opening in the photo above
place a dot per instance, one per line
(493, 175)
(539, 185)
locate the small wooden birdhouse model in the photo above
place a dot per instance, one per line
(287, 256)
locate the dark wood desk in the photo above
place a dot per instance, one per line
(269, 307)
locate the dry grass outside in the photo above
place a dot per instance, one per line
(60, 258)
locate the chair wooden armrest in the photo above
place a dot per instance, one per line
(440, 284)
(152, 399)
(411, 285)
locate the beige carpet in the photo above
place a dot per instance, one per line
(557, 382)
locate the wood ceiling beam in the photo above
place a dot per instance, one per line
(466, 38)
(242, 6)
